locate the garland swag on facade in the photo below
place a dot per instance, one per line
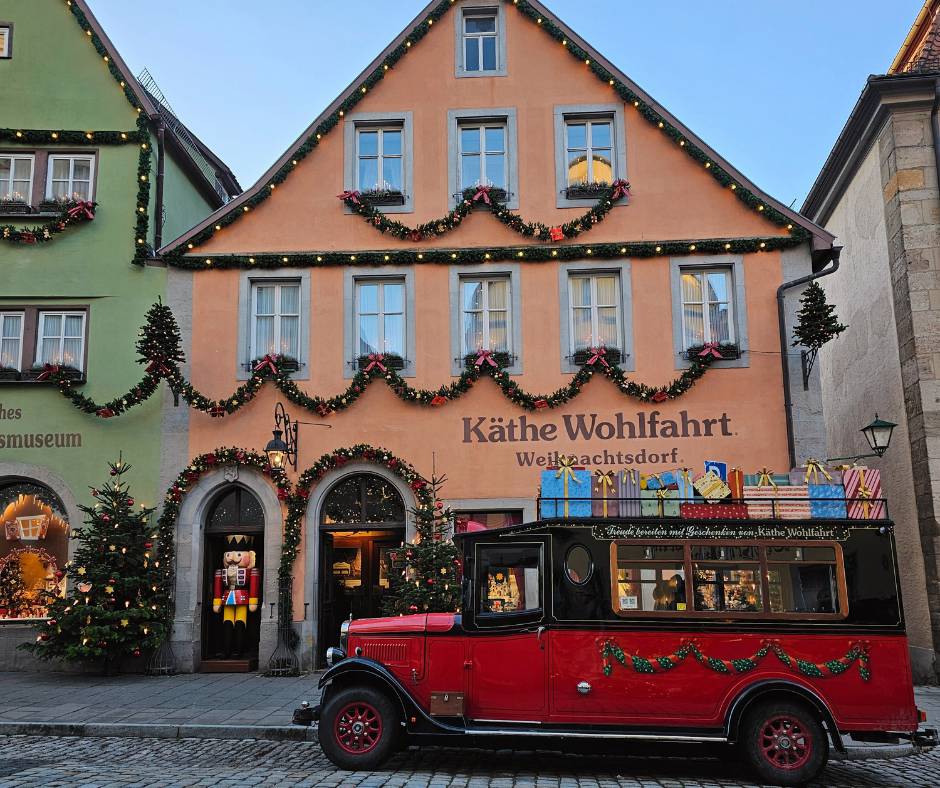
(158, 346)
(796, 235)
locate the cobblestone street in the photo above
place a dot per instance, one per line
(49, 761)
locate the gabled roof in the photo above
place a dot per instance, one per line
(141, 100)
(921, 48)
(626, 88)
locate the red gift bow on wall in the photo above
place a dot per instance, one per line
(353, 197)
(83, 209)
(267, 361)
(621, 189)
(375, 360)
(710, 349)
(48, 371)
(598, 356)
(483, 193)
(485, 357)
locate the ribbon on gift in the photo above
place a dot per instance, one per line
(375, 360)
(84, 209)
(630, 475)
(352, 197)
(565, 471)
(813, 469)
(621, 188)
(662, 494)
(597, 356)
(485, 357)
(48, 371)
(710, 349)
(483, 193)
(605, 480)
(864, 493)
(766, 477)
(267, 361)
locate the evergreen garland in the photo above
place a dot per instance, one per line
(817, 321)
(72, 213)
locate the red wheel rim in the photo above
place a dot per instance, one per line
(358, 728)
(785, 742)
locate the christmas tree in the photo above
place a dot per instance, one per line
(428, 580)
(818, 323)
(116, 605)
(159, 338)
(13, 592)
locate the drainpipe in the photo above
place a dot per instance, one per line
(158, 218)
(833, 254)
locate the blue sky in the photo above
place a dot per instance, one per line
(768, 85)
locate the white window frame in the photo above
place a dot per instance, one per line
(6, 51)
(40, 335)
(381, 313)
(706, 324)
(22, 316)
(481, 127)
(380, 154)
(277, 284)
(563, 114)
(485, 311)
(71, 158)
(478, 8)
(592, 276)
(480, 13)
(31, 158)
(589, 124)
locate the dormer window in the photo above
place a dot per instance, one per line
(481, 41)
(6, 40)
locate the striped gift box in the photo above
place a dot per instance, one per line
(862, 489)
(765, 503)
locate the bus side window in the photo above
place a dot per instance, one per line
(509, 579)
(803, 579)
(649, 578)
(726, 578)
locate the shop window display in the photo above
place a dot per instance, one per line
(34, 535)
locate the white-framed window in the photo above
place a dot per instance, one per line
(483, 155)
(589, 150)
(11, 340)
(70, 177)
(594, 310)
(61, 339)
(707, 306)
(6, 41)
(16, 177)
(380, 158)
(480, 40)
(485, 315)
(275, 319)
(380, 316)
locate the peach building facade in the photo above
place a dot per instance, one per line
(484, 93)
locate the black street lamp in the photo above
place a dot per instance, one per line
(878, 434)
(282, 448)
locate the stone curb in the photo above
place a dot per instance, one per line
(158, 731)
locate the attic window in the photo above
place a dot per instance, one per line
(6, 40)
(481, 41)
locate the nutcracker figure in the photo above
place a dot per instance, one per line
(236, 592)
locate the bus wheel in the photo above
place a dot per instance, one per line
(359, 728)
(784, 742)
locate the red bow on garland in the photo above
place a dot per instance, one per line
(710, 349)
(267, 361)
(660, 396)
(556, 233)
(483, 193)
(84, 209)
(375, 360)
(415, 235)
(541, 404)
(439, 400)
(598, 356)
(28, 237)
(158, 366)
(48, 371)
(323, 409)
(621, 189)
(484, 357)
(105, 413)
(352, 197)
(217, 412)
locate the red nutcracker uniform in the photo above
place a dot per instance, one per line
(235, 593)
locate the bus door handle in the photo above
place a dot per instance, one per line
(538, 636)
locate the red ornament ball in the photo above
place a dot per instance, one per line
(113, 472)
(130, 501)
(136, 652)
(106, 518)
(52, 622)
(413, 608)
(148, 545)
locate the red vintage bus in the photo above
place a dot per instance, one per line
(780, 637)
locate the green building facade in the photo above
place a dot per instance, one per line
(95, 170)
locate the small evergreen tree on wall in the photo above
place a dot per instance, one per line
(818, 322)
(115, 605)
(426, 575)
(159, 338)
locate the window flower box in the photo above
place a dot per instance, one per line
(382, 197)
(497, 194)
(14, 205)
(65, 373)
(587, 191)
(501, 357)
(9, 374)
(388, 360)
(729, 351)
(613, 356)
(50, 205)
(284, 363)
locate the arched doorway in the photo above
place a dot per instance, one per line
(235, 526)
(362, 521)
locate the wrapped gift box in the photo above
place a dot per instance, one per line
(666, 480)
(714, 511)
(815, 473)
(630, 491)
(862, 489)
(711, 487)
(686, 487)
(736, 483)
(766, 479)
(765, 502)
(605, 494)
(566, 492)
(659, 503)
(827, 501)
